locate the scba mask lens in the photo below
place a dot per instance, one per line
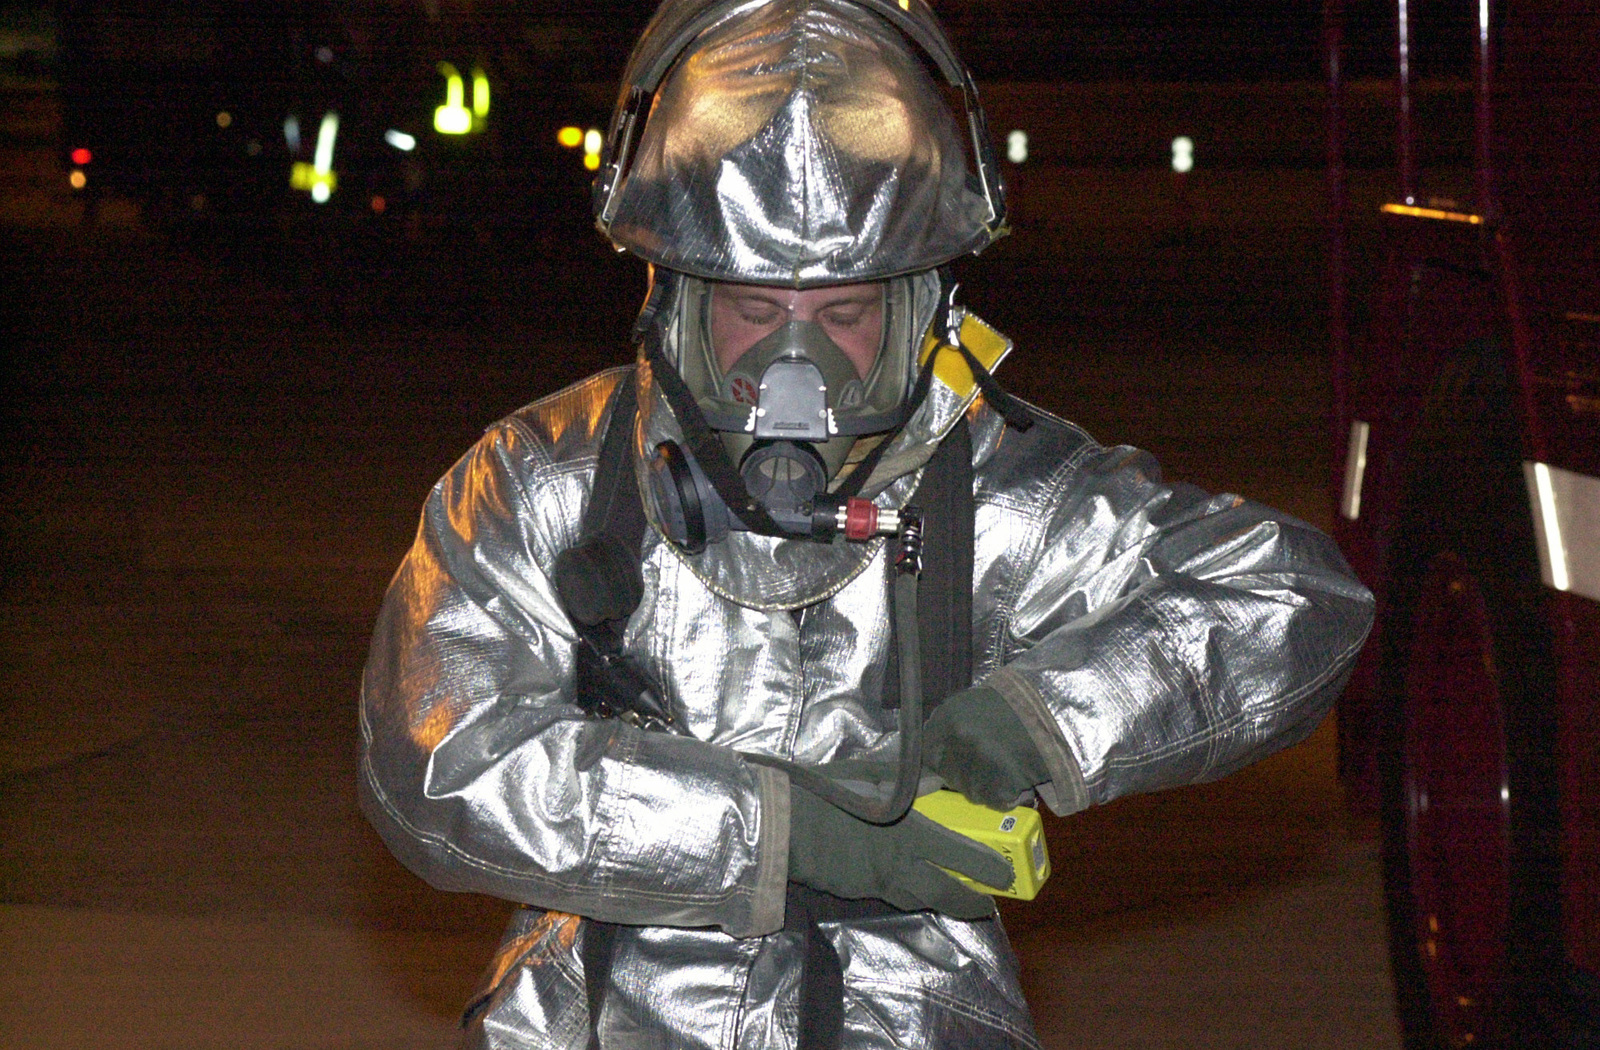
(802, 375)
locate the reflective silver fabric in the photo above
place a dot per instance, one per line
(1148, 634)
(801, 143)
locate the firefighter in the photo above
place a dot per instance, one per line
(675, 646)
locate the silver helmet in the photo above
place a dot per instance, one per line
(796, 142)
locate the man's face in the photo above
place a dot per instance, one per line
(744, 314)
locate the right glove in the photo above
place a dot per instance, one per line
(832, 851)
(976, 743)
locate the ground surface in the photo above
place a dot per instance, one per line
(214, 456)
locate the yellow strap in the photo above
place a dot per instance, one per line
(982, 341)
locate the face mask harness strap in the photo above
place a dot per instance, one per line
(704, 446)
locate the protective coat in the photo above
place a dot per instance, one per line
(1149, 635)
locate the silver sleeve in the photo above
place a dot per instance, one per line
(482, 774)
(1161, 636)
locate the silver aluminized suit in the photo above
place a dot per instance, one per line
(1148, 635)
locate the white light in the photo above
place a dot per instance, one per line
(1017, 147)
(322, 159)
(1505, 793)
(291, 133)
(400, 140)
(324, 54)
(1556, 550)
(1355, 469)
(1182, 154)
(1565, 507)
(320, 177)
(592, 142)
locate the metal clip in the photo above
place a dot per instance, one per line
(908, 560)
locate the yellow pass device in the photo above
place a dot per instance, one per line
(1017, 835)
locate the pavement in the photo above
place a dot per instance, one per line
(215, 456)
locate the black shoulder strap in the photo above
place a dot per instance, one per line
(944, 592)
(598, 577)
(599, 582)
(614, 507)
(944, 616)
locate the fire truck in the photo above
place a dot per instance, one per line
(1467, 409)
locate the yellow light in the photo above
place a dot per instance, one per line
(593, 141)
(452, 118)
(224, 119)
(78, 179)
(1432, 213)
(480, 94)
(320, 184)
(570, 137)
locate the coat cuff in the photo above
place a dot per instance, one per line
(772, 860)
(1066, 792)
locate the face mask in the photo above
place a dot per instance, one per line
(787, 412)
(780, 427)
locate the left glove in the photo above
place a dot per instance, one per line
(831, 850)
(978, 746)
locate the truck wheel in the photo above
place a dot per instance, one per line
(1466, 757)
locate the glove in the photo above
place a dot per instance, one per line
(832, 851)
(979, 747)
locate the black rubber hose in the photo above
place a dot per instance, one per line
(880, 810)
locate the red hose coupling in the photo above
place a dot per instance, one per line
(860, 519)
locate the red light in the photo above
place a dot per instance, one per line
(81, 156)
(378, 204)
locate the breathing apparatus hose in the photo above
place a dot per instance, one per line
(890, 808)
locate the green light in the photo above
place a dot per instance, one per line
(480, 94)
(453, 118)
